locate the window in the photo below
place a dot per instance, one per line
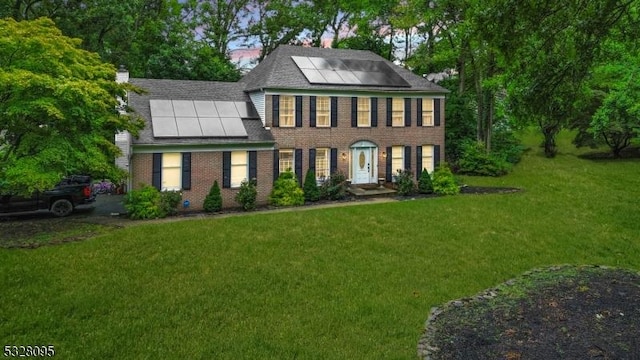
(238, 167)
(322, 164)
(171, 171)
(323, 111)
(427, 112)
(427, 158)
(364, 112)
(286, 160)
(397, 112)
(397, 159)
(287, 111)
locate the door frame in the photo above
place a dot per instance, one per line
(372, 150)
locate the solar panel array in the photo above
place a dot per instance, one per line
(197, 118)
(348, 72)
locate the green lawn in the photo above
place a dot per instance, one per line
(343, 283)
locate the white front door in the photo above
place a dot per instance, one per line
(363, 167)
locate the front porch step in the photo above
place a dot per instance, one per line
(370, 190)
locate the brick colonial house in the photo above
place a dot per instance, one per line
(326, 109)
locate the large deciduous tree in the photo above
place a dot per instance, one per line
(58, 108)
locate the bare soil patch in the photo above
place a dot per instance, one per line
(567, 312)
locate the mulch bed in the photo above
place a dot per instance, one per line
(566, 312)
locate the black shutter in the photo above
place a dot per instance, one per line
(389, 171)
(436, 112)
(226, 169)
(186, 171)
(354, 112)
(407, 158)
(419, 112)
(298, 165)
(333, 166)
(156, 171)
(374, 112)
(298, 111)
(436, 156)
(253, 165)
(389, 112)
(418, 162)
(276, 110)
(312, 111)
(407, 112)
(312, 160)
(276, 164)
(334, 111)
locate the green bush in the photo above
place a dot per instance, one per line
(335, 187)
(213, 200)
(506, 146)
(476, 160)
(247, 194)
(286, 191)
(144, 203)
(310, 187)
(404, 182)
(425, 185)
(443, 181)
(169, 202)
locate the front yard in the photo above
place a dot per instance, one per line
(342, 283)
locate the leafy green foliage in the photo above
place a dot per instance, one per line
(310, 187)
(247, 194)
(476, 160)
(59, 108)
(404, 182)
(144, 203)
(335, 187)
(213, 200)
(425, 183)
(286, 191)
(169, 202)
(443, 181)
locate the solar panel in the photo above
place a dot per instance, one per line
(187, 118)
(348, 72)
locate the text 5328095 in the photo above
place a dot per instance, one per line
(29, 351)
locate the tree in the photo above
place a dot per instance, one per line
(213, 201)
(425, 185)
(617, 121)
(310, 187)
(58, 108)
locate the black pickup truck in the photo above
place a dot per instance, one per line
(60, 201)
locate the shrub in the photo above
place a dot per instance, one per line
(144, 203)
(169, 202)
(335, 187)
(213, 200)
(425, 185)
(476, 160)
(506, 146)
(404, 182)
(286, 191)
(443, 181)
(247, 194)
(311, 190)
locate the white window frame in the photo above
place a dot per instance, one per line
(239, 168)
(323, 111)
(282, 165)
(287, 112)
(427, 158)
(427, 111)
(363, 112)
(323, 166)
(397, 112)
(171, 163)
(397, 158)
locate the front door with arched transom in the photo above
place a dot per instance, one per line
(364, 163)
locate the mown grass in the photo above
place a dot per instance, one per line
(340, 283)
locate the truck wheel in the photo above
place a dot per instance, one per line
(61, 207)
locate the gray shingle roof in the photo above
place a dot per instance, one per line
(192, 90)
(279, 71)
